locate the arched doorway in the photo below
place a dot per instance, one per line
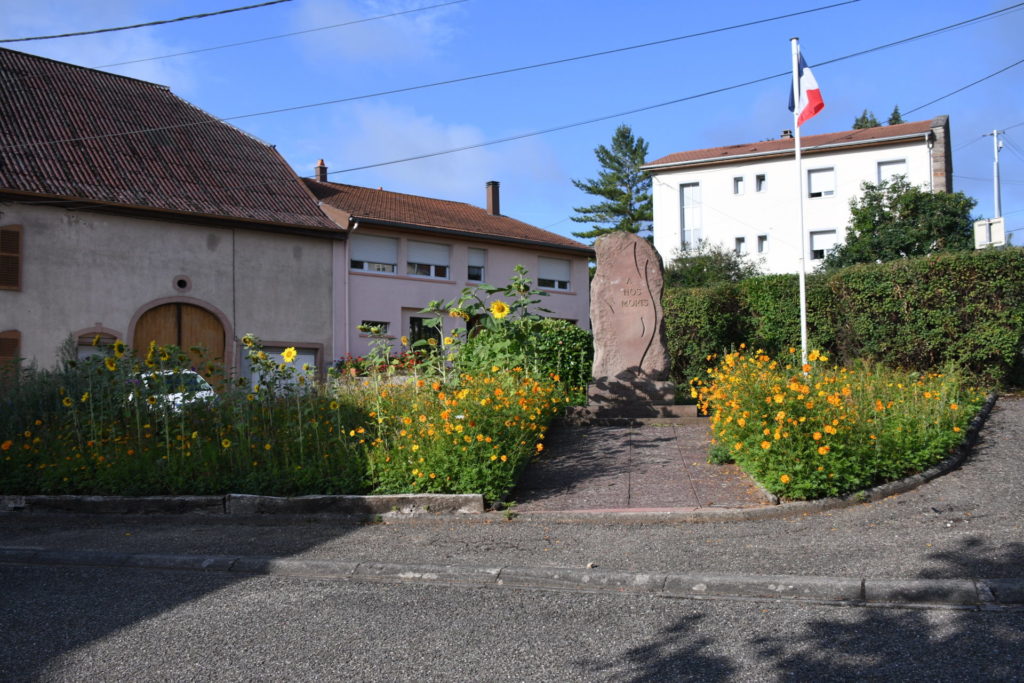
(183, 325)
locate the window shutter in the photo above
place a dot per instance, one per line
(428, 252)
(823, 241)
(553, 269)
(822, 182)
(477, 257)
(374, 249)
(888, 169)
(10, 346)
(10, 257)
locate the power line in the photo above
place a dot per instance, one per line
(463, 79)
(281, 35)
(151, 23)
(551, 63)
(969, 85)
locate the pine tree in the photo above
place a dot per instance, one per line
(865, 120)
(895, 117)
(626, 190)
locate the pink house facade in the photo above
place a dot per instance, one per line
(404, 251)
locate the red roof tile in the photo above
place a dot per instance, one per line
(807, 142)
(367, 204)
(62, 134)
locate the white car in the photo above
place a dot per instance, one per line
(178, 388)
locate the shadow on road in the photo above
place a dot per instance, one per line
(48, 611)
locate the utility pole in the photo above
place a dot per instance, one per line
(997, 145)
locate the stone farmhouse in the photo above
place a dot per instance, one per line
(743, 197)
(127, 212)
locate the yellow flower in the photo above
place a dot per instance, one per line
(110, 363)
(956, 429)
(823, 450)
(504, 458)
(96, 340)
(118, 348)
(784, 479)
(405, 340)
(67, 402)
(816, 436)
(151, 400)
(448, 341)
(540, 447)
(195, 435)
(766, 445)
(499, 309)
(266, 446)
(288, 355)
(333, 405)
(248, 340)
(433, 476)
(225, 443)
(85, 397)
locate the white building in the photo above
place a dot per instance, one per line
(743, 197)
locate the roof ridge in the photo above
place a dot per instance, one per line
(64, 65)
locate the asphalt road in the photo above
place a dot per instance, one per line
(90, 623)
(139, 625)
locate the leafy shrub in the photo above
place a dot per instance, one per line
(819, 430)
(700, 323)
(965, 308)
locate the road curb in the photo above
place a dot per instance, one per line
(971, 592)
(237, 504)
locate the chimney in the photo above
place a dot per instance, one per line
(493, 207)
(320, 171)
(786, 134)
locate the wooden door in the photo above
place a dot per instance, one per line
(184, 326)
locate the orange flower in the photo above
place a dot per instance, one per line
(784, 479)
(766, 445)
(823, 450)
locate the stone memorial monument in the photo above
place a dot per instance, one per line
(631, 361)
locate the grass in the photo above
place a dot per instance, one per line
(818, 430)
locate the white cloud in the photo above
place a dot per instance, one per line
(413, 35)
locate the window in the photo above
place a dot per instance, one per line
(821, 182)
(10, 347)
(475, 271)
(822, 244)
(553, 273)
(762, 244)
(419, 329)
(737, 185)
(10, 257)
(888, 169)
(94, 343)
(759, 182)
(426, 259)
(374, 327)
(690, 222)
(741, 246)
(373, 254)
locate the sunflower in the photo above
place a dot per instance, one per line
(499, 309)
(67, 402)
(110, 363)
(288, 355)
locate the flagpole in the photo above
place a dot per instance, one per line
(795, 44)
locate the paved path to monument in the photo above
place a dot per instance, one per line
(632, 468)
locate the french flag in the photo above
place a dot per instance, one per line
(810, 94)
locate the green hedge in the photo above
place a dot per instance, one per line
(965, 308)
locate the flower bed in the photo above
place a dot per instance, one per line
(816, 430)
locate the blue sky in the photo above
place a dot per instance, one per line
(478, 36)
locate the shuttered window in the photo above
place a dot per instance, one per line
(10, 257)
(373, 254)
(821, 182)
(553, 273)
(477, 259)
(427, 259)
(10, 346)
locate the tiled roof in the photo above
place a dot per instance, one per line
(364, 203)
(874, 135)
(62, 135)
